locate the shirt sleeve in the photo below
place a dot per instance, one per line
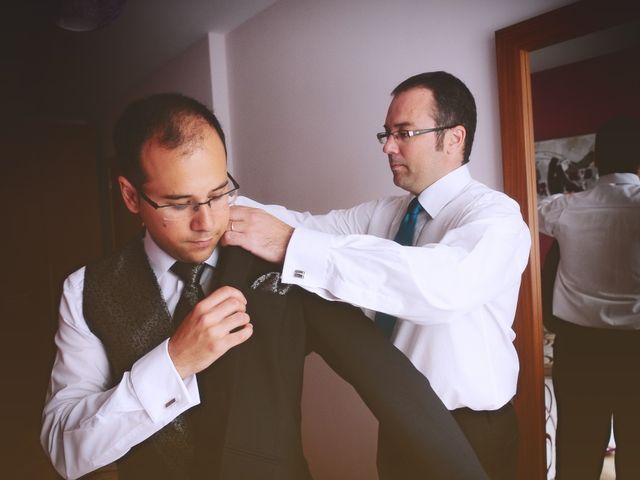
(89, 422)
(549, 211)
(290, 217)
(477, 258)
(340, 222)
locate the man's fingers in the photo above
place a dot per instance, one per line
(241, 218)
(235, 226)
(231, 331)
(221, 311)
(233, 322)
(218, 296)
(239, 214)
(236, 338)
(240, 335)
(258, 232)
(233, 239)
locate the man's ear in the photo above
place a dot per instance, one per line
(454, 141)
(129, 195)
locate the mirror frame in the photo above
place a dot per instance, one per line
(513, 45)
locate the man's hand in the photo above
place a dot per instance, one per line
(258, 232)
(206, 333)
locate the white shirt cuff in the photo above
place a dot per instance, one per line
(159, 388)
(306, 260)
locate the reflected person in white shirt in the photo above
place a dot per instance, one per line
(454, 296)
(596, 305)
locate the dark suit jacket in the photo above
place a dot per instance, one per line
(248, 423)
(264, 378)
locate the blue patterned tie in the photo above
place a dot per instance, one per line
(403, 237)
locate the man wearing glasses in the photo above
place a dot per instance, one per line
(180, 360)
(449, 304)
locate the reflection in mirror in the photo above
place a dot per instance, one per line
(576, 86)
(514, 45)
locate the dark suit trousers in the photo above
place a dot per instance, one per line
(494, 437)
(596, 377)
(412, 416)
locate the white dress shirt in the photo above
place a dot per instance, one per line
(454, 293)
(598, 278)
(86, 424)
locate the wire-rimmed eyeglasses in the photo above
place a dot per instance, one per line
(177, 211)
(402, 135)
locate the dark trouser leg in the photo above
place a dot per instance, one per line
(583, 429)
(581, 385)
(627, 434)
(494, 437)
(393, 461)
(411, 415)
(625, 386)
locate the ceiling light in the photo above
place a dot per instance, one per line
(87, 15)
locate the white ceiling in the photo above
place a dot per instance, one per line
(69, 75)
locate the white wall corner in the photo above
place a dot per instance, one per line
(220, 88)
(188, 73)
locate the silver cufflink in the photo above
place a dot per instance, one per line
(298, 273)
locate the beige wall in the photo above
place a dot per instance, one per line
(310, 82)
(189, 73)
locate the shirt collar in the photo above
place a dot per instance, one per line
(620, 178)
(440, 193)
(161, 261)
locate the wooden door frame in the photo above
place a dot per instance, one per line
(513, 45)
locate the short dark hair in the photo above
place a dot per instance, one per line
(616, 148)
(455, 104)
(172, 119)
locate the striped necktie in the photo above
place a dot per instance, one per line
(403, 237)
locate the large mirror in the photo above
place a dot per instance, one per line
(515, 48)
